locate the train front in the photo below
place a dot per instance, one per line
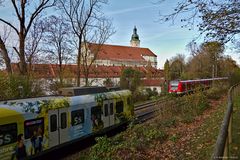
(173, 86)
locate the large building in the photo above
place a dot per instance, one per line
(109, 62)
(115, 55)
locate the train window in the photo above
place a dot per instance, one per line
(8, 134)
(33, 126)
(106, 110)
(96, 113)
(119, 107)
(111, 108)
(174, 86)
(77, 117)
(53, 123)
(128, 101)
(63, 120)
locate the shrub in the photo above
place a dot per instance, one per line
(216, 92)
(17, 86)
(102, 149)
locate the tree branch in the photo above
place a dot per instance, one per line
(15, 49)
(43, 5)
(10, 25)
(16, 10)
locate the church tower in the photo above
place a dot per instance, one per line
(135, 42)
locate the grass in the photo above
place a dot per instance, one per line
(235, 146)
(202, 144)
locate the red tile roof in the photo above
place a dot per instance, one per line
(152, 82)
(119, 53)
(96, 71)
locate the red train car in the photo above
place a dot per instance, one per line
(186, 86)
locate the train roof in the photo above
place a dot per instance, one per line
(34, 104)
(207, 79)
(77, 91)
(29, 99)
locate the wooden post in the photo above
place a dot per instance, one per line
(230, 129)
(226, 153)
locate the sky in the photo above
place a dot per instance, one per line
(164, 39)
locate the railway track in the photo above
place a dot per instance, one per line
(145, 111)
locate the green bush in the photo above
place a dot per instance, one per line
(216, 92)
(102, 150)
(169, 122)
(234, 77)
(17, 86)
(139, 96)
(174, 138)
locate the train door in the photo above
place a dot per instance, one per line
(63, 129)
(111, 113)
(108, 116)
(58, 126)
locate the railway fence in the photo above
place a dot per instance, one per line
(224, 139)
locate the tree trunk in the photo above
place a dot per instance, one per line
(5, 57)
(86, 81)
(60, 74)
(86, 74)
(23, 64)
(79, 62)
(22, 34)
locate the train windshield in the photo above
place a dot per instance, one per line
(174, 85)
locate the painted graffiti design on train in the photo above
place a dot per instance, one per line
(186, 86)
(30, 126)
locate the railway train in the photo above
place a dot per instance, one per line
(186, 86)
(29, 127)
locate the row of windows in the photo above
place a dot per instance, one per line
(8, 133)
(77, 116)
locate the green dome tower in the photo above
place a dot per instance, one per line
(135, 42)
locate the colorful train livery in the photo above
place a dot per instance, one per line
(30, 126)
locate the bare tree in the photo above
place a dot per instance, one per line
(58, 43)
(3, 49)
(82, 14)
(26, 12)
(193, 48)
(94, 38)
(33, 42)
(220, 20)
